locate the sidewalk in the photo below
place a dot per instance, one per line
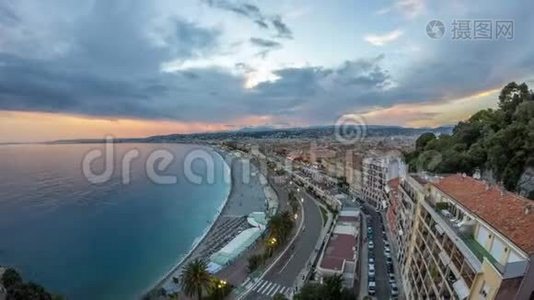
(396, 268)
(363, 259)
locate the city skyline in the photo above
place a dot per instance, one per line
(135, 69)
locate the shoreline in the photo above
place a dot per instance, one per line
(198, 241)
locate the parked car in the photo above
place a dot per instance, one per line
(371, 270)
(371, 260)
(371, 245)
(387, 251)
(390, 267)
(394, 290)
(391, 278)
(371, 288)
(386, 243)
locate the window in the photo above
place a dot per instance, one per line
(484, 290)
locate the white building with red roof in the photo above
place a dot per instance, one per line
(340, 255)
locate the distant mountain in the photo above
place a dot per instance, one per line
(268, 133)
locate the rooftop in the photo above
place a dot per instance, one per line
(339, 248)
(393, 187)
(508, 213)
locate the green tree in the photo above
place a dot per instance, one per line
(511, 96)
(310, 291)
(500, 141)
(11, 278)
(195, 278)
(423, 140)
(333, 286)
(218, 289)
(279, 296)
(254, 261)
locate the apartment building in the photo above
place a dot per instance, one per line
(340, 255)
(376, 172)
(465, 240)
(348, 166)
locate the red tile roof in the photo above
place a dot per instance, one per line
(508, 213)
(347, 219)
(394, 187)
(338, 249)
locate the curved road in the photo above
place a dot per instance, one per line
(283, 274)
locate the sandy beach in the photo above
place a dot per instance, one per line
(247, 194)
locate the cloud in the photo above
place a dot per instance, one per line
(264, 43)
(262, 24)
(105, 61)
(282, 29)
(254, 13)
(381, 40)
(409, 8)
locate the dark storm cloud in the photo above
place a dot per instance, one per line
(106, 62)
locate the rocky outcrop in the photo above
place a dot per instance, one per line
(525, 186)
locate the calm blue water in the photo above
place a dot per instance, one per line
(99, 241)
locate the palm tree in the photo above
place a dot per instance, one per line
(218, 289)
(195, 278)
(333, 286)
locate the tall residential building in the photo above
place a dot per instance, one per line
(376, 172)
(465, 240)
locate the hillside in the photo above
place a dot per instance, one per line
(497, 142)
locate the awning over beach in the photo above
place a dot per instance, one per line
(236, 246)
(257, 219)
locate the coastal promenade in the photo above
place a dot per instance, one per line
(247, 195)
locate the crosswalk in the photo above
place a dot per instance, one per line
(269, 289)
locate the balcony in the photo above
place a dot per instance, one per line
(458, 235)
(464, 231)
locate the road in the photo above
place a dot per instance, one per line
(283, 274)
(382, 283)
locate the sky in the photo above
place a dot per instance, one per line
(86, 69)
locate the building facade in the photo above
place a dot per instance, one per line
(376, 172)
(465, 240)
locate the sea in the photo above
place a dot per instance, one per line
(86, 236)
